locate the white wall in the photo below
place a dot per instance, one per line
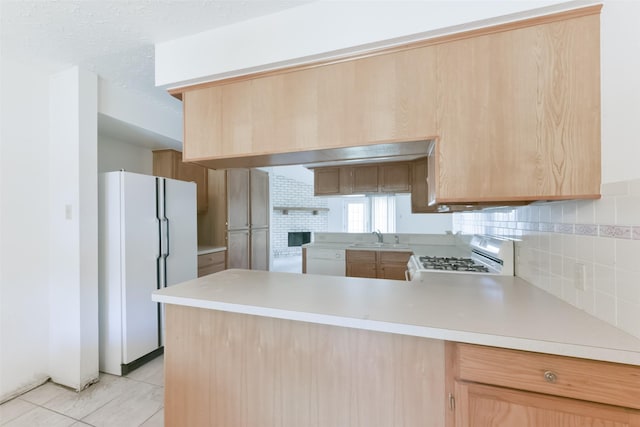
(24, 228)
(48, 263)
(406, 222)
(134, 110)
(114, 154)
(73, 250)
(309, 31)
(620, 64)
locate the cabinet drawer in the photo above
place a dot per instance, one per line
(361, 256)
(394, 257)
(207, 260)
(611, 383)
(212, 263)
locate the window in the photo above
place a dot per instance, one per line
(369, 213)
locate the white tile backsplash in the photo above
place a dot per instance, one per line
(552, 237)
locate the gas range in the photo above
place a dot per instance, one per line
(451, 264)
(482, 255)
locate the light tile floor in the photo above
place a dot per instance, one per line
(134, 400)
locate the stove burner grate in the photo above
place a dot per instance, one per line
(452, 264)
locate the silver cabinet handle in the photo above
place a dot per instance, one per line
(550, 376)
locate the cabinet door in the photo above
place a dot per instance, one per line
(237, 199)
(199, 175)
(259, 205)
(211, 263)
(260, 249)
(238, 249)
(393, 265)
(326, 181)
(395, 177)
(365, 179)
(479, 405)
(361, 264)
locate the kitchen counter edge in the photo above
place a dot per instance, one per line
(220, 292)
(204, 250)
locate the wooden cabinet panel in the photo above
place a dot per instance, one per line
(384, 98)
(326, 181)
(236, 370)
(393, 265)
(500, 387)
(395, 177)
(237, 199)
(519, 139)
(392, 177)
(244, 196)
(377, 264)
(259, 195)
(602, 382)
(514, 111)
(364, 179)
(203, 124)
(486, 406)
(211, 263)
(361, 264)
(238, 249)
(237, 118)
(260, 249)
(169, 164)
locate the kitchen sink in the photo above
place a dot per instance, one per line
(376, 245)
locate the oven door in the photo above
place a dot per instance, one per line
(413, 266)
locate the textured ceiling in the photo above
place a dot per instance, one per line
(115, 39)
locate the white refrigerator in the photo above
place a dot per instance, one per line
(147, 241)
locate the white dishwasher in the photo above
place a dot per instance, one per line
(330, 262)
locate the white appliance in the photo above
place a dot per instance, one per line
(330, 262)
(483, 255)
(147, 240)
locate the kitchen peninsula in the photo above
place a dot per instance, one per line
(247, 348)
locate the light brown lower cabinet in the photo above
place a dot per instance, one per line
(236, 370)
(238, 243)
(504, 388)
(362, 264)
(479, 405)
(377, 264)
(211, 263)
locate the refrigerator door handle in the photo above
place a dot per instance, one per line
(166, 237)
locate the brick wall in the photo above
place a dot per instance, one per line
(292, 193)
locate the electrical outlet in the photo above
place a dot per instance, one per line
(579, 274)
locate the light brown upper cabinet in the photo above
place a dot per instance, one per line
(513, 110)
(385, 98)
(328, 181)
(519, 115)
(169, 164)
(394, 177)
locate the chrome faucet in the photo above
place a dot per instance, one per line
(379, 235)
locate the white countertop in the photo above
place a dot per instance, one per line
(203, 250)
(416, 249)
(502, 311)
